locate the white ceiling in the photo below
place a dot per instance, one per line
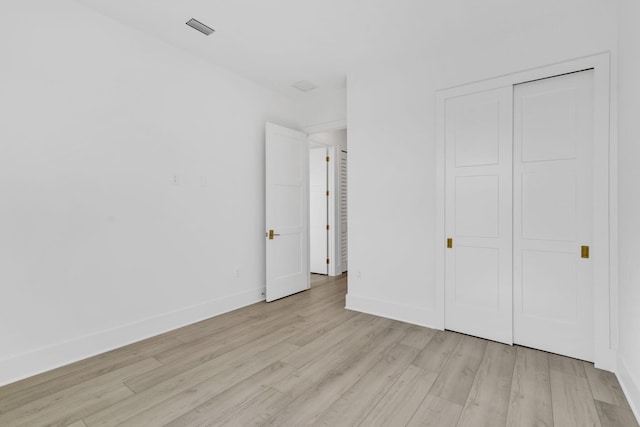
(279, 42)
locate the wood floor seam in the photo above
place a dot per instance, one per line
(306, 360)
(125, 384)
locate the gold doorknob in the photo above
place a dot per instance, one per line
(271, 234)
(584, 251)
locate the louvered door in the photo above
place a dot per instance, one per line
(343, 212)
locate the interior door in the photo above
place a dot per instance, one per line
(319, 211)
(287, 212)
(478, 266)
(553, 214)
(344, 223)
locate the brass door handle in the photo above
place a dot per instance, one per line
(584, 251)
(271, 234)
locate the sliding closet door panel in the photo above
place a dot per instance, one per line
(553, 214)
(478, 265)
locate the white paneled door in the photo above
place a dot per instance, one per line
(553, 214)
(318, 215)
(478, 265)
(286, 216)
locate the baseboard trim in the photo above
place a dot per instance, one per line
(25, 365)
(404, 313)
(630, 386)
(606, 360)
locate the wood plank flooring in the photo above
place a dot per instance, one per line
(305, 360)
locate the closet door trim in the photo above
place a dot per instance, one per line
(604, 247)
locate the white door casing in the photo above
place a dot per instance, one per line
(287, 211)
(603, 250)
(478, 164)
(553, 214)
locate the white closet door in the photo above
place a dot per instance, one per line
(478, 266)
(343, 212)
(553, 214)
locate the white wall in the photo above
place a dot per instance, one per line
(98, 246)
(336, 137)
(629, 200)
(323, 110)
(391, 112)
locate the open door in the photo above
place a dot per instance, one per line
(287, 212)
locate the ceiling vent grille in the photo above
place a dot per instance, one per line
(197, 25)
(304, 85)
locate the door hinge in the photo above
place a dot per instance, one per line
(327, 226)
(328, 261)
(328, 158)
(449, 243)
(327, 193)
(584, 251)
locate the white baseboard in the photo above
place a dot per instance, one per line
(630, 386)
(404, 313)
(606, 360)
(35, 362)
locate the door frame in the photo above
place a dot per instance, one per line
(330, 215)
(605, 190)
(335, 266)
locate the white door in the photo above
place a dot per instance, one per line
(553, 214)
(318, 210)
(287, 216)
(478, 266)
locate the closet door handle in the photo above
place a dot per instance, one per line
(584, 251)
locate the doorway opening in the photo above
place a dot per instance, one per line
(287, 231)
(328, 233)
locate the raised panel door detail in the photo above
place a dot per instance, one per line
(286, 167)
(478, 155)
(477, 206)
(549, 273)
(286, 212)
(477, 277)
(549, 125)
(549, 206)
(477, 133)
(286, 196)
(287, 249)
(553, 215)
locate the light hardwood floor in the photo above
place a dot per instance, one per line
(305, 360)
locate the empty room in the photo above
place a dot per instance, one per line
(337, 212)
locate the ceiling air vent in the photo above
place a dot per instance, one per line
(304, 86)
(197, 25)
